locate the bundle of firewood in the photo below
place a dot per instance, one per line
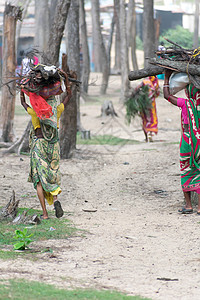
(175, 58)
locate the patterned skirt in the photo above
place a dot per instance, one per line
(150, 121)
(190, 174)
(44, 167)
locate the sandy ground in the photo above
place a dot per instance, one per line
(136, 242)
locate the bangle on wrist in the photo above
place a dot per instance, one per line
(165, 85)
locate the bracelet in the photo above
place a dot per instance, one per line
(165, 85)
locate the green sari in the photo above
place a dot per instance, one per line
(190, 144)
(45, 155)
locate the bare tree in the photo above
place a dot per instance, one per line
(52, 10)
(100, 56)
(112, 26)
(117, 65)
(24, 6)
(131, 32)
(148, 31)
(57, 30)
(124, 53)
(41, 25)
(85, 71)
(196, 25)
(11, 15)
(68, 124)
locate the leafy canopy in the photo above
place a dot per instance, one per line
(179, 35)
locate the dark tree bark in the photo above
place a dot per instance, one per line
(85, 69)
(142, 73)
(68, 124)
(148, 31)
(57, 30)
(11, 15)
(73, 50)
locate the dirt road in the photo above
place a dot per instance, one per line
(136, 242)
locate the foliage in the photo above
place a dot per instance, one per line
(179, 35)
(41, 231)
(23, 239)
(22, 290)
(138, 103)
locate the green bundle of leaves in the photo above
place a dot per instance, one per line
(23, 239)
(138, 103)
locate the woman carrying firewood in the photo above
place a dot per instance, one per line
(149, 118)
(41, 85)
(190, 141)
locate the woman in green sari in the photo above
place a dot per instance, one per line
(44, 145)
(190, 141)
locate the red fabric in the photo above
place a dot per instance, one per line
(40, 106)
(38, 102)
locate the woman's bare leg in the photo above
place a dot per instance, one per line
(188, 203)
(40, 194)
(198, 208)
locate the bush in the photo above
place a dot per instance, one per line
(179, 35)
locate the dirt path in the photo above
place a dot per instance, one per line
(136, 241)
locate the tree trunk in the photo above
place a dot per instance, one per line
(148, 31)
(131, 32)
(100, 56)
(85, 68)
(133, 39)
(41, 26)
(11, 15)
(117, 66)
(68, 123)
(52, 10)
(96, 32)
(73, 49)
(196, 25)
(112, 26)
(124, 54)
(24, 6)
(56, 33)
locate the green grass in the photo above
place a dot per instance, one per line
(41, 232)
(23, 290)
(105, 140)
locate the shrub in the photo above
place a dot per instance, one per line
(179, 35)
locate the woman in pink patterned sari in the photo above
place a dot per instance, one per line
(190, 141)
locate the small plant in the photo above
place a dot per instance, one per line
(138, 103)
(23, 240)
